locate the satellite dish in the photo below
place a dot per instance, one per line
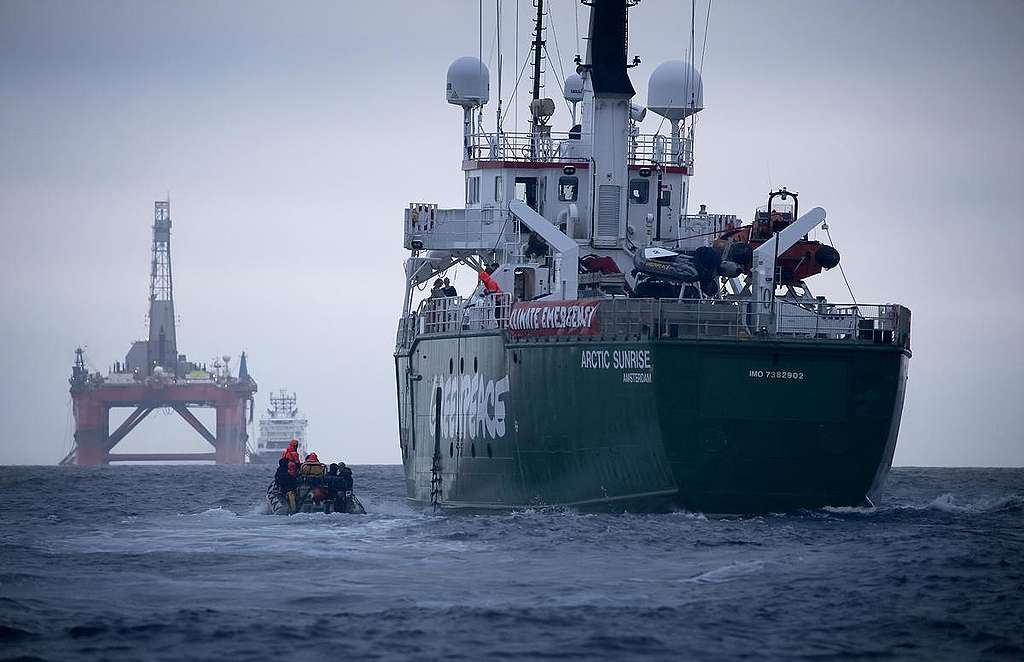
(573, 88)
(468, 83)
(675, 90)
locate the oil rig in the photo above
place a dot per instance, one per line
(155, 376)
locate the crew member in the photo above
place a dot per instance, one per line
(287, 483)
(281, 477)
(345, 473)
(535, 246)
(312, 466)
(490, 286)
(449, 289)
(292, 452)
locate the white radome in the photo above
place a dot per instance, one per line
(573, 88)
(675, 90)
(469, 83)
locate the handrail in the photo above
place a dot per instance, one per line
(572, 147)
(643, 319)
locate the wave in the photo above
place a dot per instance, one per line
(948, 503)
(727, 573)
(944, 503)
(687, 514)
(218, 512)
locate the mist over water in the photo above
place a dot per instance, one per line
(171, 563)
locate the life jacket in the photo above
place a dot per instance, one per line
(490, 286)
(312, 469)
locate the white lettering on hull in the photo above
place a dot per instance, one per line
(776, 374)
(629, 361)
(472, 406)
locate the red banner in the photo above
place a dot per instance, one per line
(554, 318)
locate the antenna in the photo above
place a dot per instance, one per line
(497, 21)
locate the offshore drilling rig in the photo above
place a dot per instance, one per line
(155, 376)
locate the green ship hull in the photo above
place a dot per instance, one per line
(712, 425)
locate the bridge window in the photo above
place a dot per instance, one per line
(472, 190)
(499, 193)
(568, 189)
(639, 191)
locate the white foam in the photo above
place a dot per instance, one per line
(727, 573)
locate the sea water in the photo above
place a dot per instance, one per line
(181, 563)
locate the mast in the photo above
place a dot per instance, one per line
(538, 46)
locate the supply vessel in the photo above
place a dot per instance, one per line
(619, 351)
(281, 423)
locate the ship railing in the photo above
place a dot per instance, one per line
(437, 315)
(657, 149)
(427, 227)
(406, 331)
(574, 147)
(488, 312)
(737, 318)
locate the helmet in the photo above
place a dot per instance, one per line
(312, 458)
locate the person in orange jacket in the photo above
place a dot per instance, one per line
(292, 452)
(490, 286)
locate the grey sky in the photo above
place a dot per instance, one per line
(292, 135)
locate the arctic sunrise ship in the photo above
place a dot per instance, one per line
(622, 353)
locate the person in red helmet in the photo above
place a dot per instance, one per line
(292, 452)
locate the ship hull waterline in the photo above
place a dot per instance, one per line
(714, 426)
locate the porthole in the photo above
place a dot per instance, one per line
(474, 365)
(472, 450)
(462, 365)
(489, 453)
(451, 365)
(451, 449)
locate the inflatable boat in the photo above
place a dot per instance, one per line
(309, 498)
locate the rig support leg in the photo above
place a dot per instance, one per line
(230, 442)
(92, 431)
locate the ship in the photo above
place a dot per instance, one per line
(619, 352)
(281, 423)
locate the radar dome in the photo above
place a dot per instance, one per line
(468, 83)
(573, 89)
(675, 90)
